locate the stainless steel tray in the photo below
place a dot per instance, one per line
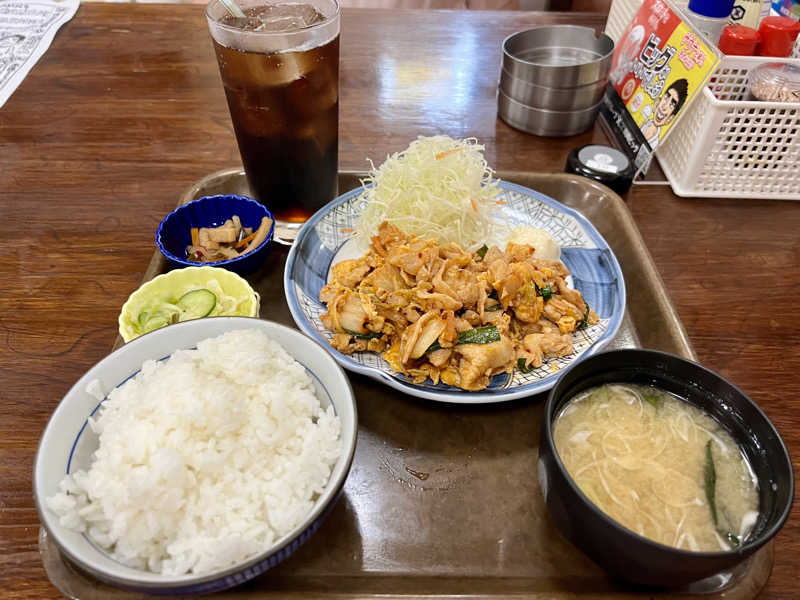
(443, 500)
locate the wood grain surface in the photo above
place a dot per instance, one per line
(126, 109)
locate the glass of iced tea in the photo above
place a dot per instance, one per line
(280, 68)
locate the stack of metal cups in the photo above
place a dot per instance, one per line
(553, 79)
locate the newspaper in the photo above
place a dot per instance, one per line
(27, 28)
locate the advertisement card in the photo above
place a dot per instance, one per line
(660, 63)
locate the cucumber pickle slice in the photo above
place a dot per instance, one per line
(153, 322)
(196, 304)
(149, 321)
(192, 305)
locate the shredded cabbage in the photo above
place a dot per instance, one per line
(438, 188)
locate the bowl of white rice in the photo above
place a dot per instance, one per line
(197, 456)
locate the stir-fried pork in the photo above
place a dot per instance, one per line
(442, 313)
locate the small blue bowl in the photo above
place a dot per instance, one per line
(174, 232)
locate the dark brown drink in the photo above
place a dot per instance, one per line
(284, 106)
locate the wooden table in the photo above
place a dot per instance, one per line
(126, 109)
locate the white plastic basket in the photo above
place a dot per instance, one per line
(726, 146)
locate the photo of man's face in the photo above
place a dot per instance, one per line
(659, 115)
(666, 107)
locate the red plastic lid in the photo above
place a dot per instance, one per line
(739, 40)
(777, 36)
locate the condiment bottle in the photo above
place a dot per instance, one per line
(738, 40)
(601, 163)
(777, 36)
(775, 82)
(710, 16)
(749, 12)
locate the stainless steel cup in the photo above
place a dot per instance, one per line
(553, 79)
(544, 122)
(552, 98)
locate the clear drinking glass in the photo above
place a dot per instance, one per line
(280, 69)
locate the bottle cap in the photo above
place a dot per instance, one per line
(738, 40)
(777, 36)
(605, 164)
(711, 8)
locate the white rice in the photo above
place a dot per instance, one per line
(205, 459)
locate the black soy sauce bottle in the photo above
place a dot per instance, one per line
(604, 164)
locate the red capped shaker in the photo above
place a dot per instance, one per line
(777, 36)
(739, 40)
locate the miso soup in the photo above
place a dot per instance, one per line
(659, 466)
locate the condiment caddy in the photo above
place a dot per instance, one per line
(729, 144)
